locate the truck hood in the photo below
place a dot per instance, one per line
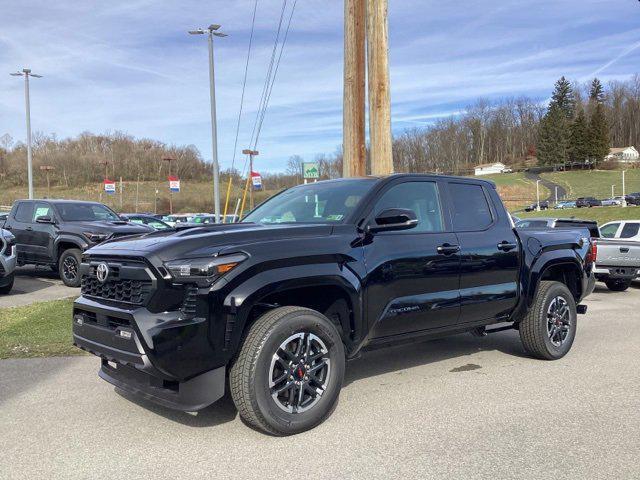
(117, 227)
(209, 240)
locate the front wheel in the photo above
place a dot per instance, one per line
(549, 328)
(289, 372)
(7, 288)
(69, 267)
(618, 285)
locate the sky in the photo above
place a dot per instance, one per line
(130, 65)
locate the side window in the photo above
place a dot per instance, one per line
(630, 230)
(471, 210)
(422, 198)
(609, 231)
(41, 210)
(24, 212)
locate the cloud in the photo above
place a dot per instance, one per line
(130, 65)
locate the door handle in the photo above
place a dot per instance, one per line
(624, 249)
(506, 246)
(8, 227)
(29, 229)
(448, 249)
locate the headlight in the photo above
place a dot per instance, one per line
(203, 271)
(96, 237)
(9, 238)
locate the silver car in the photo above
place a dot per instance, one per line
(7, 261)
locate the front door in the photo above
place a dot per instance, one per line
(42, 233)
(22, 228)
(413, 275)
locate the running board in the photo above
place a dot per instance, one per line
(581, 309)
(483, 331)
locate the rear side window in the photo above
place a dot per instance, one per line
(532, 224)
(471, 210)
(630, 230)
(609, 231)
(24, 212)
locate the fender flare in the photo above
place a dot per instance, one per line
(67, 238)
(240, 300)
(542, 264)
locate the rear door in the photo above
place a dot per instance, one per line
(490, 255)
(413, 275)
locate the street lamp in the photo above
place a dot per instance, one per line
(212, 31)
(537, 195)
(26, 73)
(624, 193)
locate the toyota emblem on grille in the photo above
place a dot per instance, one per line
(102, 272)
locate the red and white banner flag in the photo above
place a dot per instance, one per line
(256, 180)
(174, 183)
(109, 186)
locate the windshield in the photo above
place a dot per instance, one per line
(85, 212)
(330, 202)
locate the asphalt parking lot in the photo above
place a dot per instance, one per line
(36, 284)
(460, 407)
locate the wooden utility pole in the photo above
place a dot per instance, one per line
(354, 143)
(379, 87)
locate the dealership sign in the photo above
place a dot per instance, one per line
(174, 184)
(109, 186)
(311, 170)
(256, 179)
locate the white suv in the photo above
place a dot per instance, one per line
(623, 229)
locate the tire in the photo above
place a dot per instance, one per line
(7, 288)
(544, 335)
(251, 375)
(69, 260)
(618, 285)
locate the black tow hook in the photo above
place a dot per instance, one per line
(581, 309)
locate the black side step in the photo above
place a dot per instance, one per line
(581, 309)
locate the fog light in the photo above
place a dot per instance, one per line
(79, 319)
(125, 334)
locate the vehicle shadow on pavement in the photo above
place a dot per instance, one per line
(401, 357)
(220, 412)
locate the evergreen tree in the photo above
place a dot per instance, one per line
(596, 93)
(598, 138)
(563, 98)
(553, 137)
(579, 139)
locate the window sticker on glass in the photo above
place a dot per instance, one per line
(42, 212)
(335, 218)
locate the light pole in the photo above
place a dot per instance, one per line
(537, 195)
(212, 31)
(613, 189)
(624, 194)
(26, 73)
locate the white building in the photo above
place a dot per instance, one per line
(490, 168)
(624, 154)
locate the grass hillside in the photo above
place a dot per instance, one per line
(194, 196)
(516, 190)
(595, 183)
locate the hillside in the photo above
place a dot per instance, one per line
(596, 183)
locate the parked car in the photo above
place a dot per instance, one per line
(3, 218)
(312, 277)
(534, 207)
(633, 198)
(7, 261)
(588, 202)
(56, 232)
(145, 219)
(173, 220)
(611, 202)
(618, 262)
(565, 204)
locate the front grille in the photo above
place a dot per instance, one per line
(136, 292)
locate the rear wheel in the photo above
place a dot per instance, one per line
(289, 371)
(549, 328)
(7, 288)
(618, 285)
(69, 267)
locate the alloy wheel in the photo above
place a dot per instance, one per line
(299, 372)
(70, 268)
(558, 321)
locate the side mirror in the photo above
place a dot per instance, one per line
(394, 219)
(44, 219)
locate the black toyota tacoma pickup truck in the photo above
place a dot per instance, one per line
(274, 305)
(54, 233)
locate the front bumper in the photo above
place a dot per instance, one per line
(159, 357)
(7, 265)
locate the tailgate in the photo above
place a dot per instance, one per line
(618, 253)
